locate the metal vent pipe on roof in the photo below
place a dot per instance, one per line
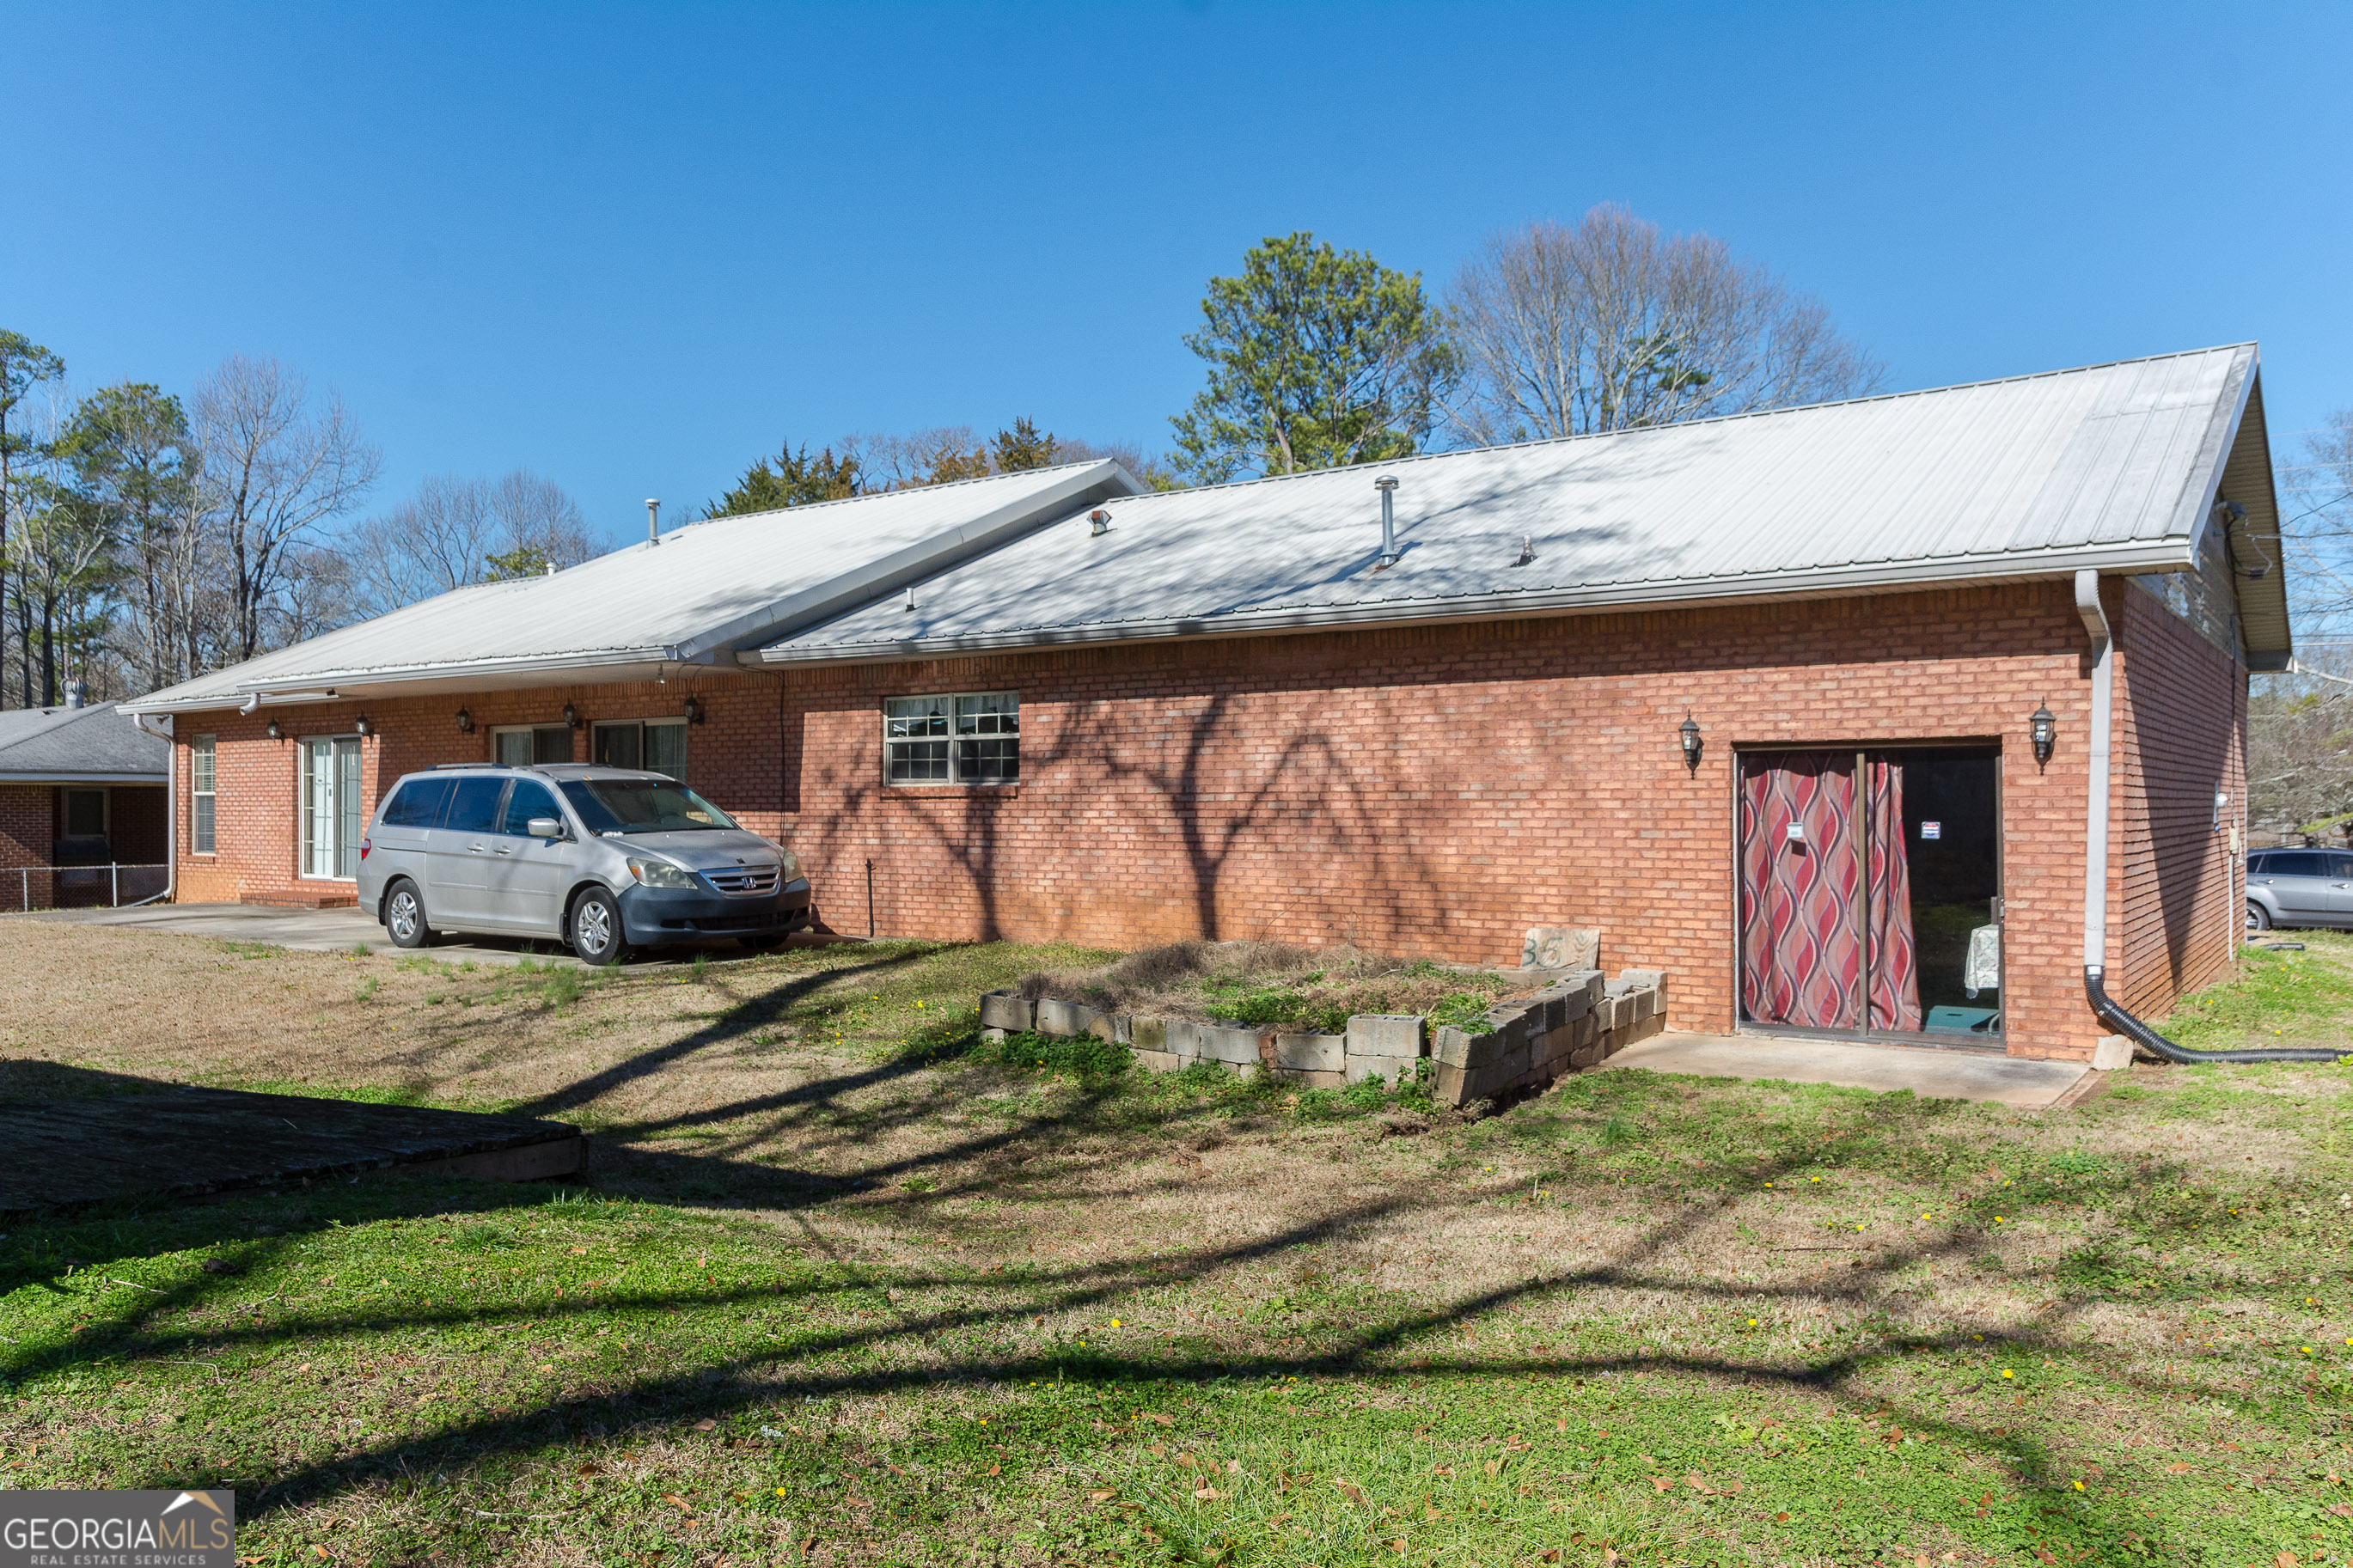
(653, 521)
(1387, 484)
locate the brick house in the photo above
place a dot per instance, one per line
(81, 791)
(1757, 697)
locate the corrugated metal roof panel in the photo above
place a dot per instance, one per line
(708, 587)
(2098, 467)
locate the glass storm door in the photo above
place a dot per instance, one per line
(331, 807)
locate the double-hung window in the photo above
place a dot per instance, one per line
(200, 796)
(521, 745)
(657, 745)
(967, 737)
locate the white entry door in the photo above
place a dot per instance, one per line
(331, 807)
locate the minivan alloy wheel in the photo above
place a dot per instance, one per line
(596, 928)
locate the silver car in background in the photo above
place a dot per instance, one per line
(2299, 887)
(603, 859)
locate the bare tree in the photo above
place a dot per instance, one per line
(276, 468)
(1612, 323)
(2319, 489)
(457, 532)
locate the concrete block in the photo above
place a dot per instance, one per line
(1311, 1053)
(1508, 1027)
(1064, 1020)
(1004, 1010)
(1585, 1055)
(1147, 1034)
(1592, 980)
(1385, 1068)
(1584, 1029)
(994, 1037)
(1544, 1012)
(1227, 1043)
(1656, 1024)
(2113, 1054)
(1307, 1080)
(1447, 1089)
(1111, 1026)
(1553, 1045)
(1516, 1062)
(1656, 979)
(1387, 1035)
(1453, 1047)
(1560, 947)
(1605, 1014)
(1159, 1061)
(1644, 1000)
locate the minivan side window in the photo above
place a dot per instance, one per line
(529, 798)
(2296, 863)
(417, 803)
(474, 805)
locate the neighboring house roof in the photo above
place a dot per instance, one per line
(80, 745)
(708, 589)
(2116, 467)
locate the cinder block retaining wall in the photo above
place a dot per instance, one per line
(1577, 1021)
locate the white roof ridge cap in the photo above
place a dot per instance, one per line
(1715, 419)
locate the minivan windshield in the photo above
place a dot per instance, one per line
(641, 805)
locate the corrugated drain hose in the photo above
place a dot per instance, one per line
(2133, 1029)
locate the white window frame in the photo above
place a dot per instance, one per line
(651, 722)
(954, 736)
(203, 786)
(498, 730)
(304, 815)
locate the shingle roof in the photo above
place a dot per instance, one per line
(2113, 467)
(707, 589)
(80, 745)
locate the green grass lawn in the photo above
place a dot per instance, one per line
(1094, 1319)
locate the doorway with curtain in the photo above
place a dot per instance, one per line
(1870, 893)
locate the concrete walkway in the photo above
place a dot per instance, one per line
(1926, 1071)
(342, 931)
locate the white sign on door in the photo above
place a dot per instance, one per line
(1932, 830)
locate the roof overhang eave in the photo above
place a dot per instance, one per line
(2133, 557)
(473, 675)
(81, 776)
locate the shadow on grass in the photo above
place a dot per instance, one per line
(1382, 1348)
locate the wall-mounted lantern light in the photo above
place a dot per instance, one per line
(362, 727)
(693, 711)
(465, 722)
(571, 716)
(2044, 730)
(1688, 731)
(277, 731)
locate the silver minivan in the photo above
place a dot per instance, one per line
(601, 859)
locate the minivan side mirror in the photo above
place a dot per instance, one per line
(544, 827)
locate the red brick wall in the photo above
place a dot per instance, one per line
(28, 824)
(1429, 790)
(2175, 891)
(732, 756)
(1438, 790)
(136, 815)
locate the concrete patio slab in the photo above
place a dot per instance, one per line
(1926, 1071)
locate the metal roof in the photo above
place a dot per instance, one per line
(2112, 467)
(80, 745)
(707, 589)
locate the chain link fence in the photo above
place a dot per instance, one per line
(24, 889)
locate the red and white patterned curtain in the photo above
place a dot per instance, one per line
(1807, 845)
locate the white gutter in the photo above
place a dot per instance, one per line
(170, 806)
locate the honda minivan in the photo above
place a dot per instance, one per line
(602, 858)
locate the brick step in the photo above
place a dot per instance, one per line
(300, 899)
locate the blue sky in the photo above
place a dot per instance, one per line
(633, 248)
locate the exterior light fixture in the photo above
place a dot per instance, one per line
(361, 727)
(571, 716)
(693, 711)
(2044, 730)
(277, 731)
(1688, 732)
(465, 722)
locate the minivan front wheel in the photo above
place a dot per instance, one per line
(403, 915)
(595, 928)
(2258, 917)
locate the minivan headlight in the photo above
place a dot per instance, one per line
(789, 866)
(660, 874)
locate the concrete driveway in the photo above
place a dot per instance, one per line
(339, 931)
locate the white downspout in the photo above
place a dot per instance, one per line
(2095, 819)
(2095, 861)
(171, 807)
